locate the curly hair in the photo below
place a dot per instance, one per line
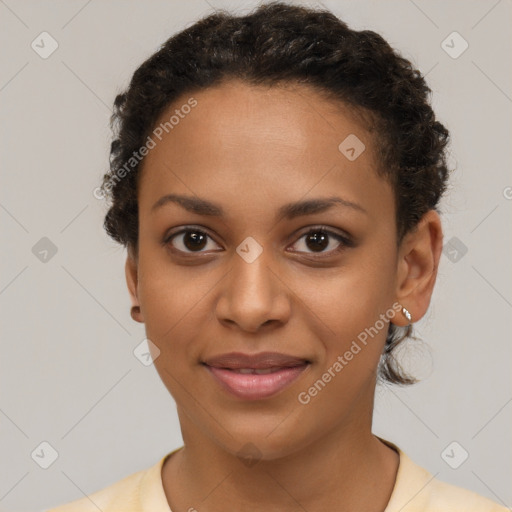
(282, 43)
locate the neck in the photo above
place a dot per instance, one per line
(348, 469)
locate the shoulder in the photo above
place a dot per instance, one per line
(444, 496)
(139, 492)
(417, 490)
(103, 498)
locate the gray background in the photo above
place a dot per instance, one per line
(68, 375)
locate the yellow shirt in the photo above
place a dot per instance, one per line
(415, 490)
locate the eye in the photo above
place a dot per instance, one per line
(319, 239)
(188, 240)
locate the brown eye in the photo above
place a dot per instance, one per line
(319, 240)
(189, 240)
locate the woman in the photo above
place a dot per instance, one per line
(275, 179)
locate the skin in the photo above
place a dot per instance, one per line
(252, 149)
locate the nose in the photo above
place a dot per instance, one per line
(253, 296)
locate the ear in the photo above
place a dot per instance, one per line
(131, 272)
(418, 261)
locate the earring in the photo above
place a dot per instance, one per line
(407, 314)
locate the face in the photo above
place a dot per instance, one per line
(252, 274)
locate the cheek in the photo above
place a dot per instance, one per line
(356, 306)
(353, 298)
(174, 307)
(167, 292)
(177, 309)
(357, 311)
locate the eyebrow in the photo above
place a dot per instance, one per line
(289, 211)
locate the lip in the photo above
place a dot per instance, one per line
(283, 370)
(262, 360)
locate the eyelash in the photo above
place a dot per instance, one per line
(344, 241)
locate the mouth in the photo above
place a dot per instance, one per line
(255, 377)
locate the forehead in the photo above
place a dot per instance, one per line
(264, 142)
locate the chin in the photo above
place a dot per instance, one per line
(263, 442)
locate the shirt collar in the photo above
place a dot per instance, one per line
(410, 480)
(406, 495)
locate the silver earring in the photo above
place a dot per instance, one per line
(407, 314)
